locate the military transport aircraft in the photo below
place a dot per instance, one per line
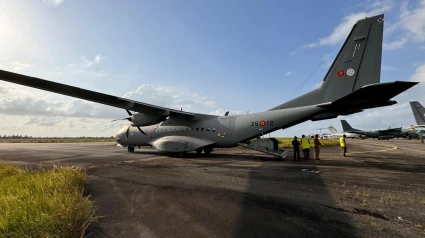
(419, 113)
(351, 85)
(383, 134)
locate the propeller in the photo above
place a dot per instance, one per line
(129, 118)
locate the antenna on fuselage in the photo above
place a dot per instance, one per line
(227, 113)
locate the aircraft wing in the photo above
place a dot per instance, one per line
(89, 95)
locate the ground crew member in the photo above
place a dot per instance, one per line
(317, 146)
(305, 146)
(296, 145)
(422, 138)
(343, 144)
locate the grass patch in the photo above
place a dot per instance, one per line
(57, 140)
(45, 203)
(287, 142)
(422, 202)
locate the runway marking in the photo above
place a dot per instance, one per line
(370, 151)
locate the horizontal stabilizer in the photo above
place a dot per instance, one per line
(370, 96)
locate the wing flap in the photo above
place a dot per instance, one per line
(88, 95)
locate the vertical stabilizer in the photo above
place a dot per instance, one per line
(346, 127)
(418, 112)
(357, 64)
(332, 130)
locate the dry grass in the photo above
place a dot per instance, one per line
(57, 140)
(46, 203)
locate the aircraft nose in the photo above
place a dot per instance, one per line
(120, 137)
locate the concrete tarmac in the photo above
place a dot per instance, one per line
(378, 190)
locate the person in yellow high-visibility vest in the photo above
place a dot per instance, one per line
(343, 144)
(305, 147)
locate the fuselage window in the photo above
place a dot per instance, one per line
(197, 129)
(208, 129)
(213, 129)
(202, 129)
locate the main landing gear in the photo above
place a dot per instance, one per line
(130, 149)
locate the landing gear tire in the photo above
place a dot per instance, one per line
(181, 154)
(130, 149)
(198, 151)
(207, 150)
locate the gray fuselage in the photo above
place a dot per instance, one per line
(223, 131)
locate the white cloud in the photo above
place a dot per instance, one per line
(221, 112)
(388, 68)
(40, 121)
(419, 74)
(53, 2)
(69, 66)
(55, 73)
(342, 29)
(101, 73)
(96, 60)
(311, 45)
(18, 66)
(174, 98)
(395, 44)
(288, 74)
(292, 53)
(413, 21)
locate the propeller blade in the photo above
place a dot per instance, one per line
(141, 131)
(128, 118)
(129, 113)
(126, 133)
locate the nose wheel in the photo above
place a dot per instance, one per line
(130, 149)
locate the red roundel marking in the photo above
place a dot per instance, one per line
(262, 123)
(340, 73)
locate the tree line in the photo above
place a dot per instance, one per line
(54, 137)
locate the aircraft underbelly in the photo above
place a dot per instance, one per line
(180, 143)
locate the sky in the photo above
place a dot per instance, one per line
(204, 56)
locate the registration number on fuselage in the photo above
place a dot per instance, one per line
(262, 123)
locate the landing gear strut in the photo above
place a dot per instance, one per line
(130, 149)
(207, 150)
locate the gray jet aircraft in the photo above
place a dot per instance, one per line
(419, 113)
(384, 134)
(351, 85)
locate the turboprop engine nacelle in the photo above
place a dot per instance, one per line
(142, 119)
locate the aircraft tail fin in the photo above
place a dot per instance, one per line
(418, 112)
(356, 68)
(346, 127)
(332, 130)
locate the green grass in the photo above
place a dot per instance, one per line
(44, 203)
(287, 142)
(59, 140)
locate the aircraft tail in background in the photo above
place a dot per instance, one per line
(346, 127)
(418, 112)
(332, 130)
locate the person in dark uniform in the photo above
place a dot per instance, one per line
(296, 145)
